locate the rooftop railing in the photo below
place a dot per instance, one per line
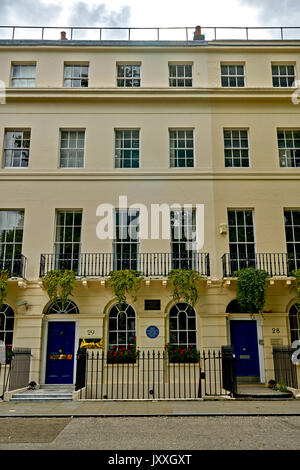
(177, 33)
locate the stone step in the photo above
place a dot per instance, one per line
(24, 397)
(40, 398)
(260, 392)
(45, 392)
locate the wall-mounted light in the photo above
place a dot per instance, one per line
(22, 303)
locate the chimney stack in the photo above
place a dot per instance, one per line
(198, 36)
(63, 36)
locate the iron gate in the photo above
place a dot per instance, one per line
(285, 371)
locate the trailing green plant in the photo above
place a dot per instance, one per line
(59, 285)
(4, 275)
(125, 283)
(251, 289)
(296, 274)
(184, 282)
(281, 387)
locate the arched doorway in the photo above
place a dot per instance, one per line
(60, 355)
(244, 339)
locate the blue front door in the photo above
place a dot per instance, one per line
(60, 353)
(244, 342)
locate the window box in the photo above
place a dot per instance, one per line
(182, 354)
(123, 355)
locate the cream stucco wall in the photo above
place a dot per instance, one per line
(43, 188)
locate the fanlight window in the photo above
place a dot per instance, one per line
(58, 308)
(233, 307)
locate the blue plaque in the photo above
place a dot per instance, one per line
(152, 332)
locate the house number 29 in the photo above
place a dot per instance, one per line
(90, 332)
(275, 330)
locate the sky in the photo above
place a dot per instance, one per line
(150, 13)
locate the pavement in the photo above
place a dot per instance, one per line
(269, 422)
(111, 408)
(252, 400)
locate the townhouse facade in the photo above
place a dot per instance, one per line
(180, 125)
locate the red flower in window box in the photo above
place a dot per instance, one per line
(182, 353)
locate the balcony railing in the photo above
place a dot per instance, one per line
(101, 264)
(15, 266)
(275, 264)
(178, 33)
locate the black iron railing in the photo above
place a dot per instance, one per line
(15, 266)
(275, 264)
(284, 369)
(101, 264)
(150, 376)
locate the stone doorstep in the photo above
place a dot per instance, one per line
(44, 392)
(295, 392)
(260, 391)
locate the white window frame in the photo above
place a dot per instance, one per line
(18, 149)
(119, 160)
(232, 148)
(238, 259)
(185, 77)
(73, 257)
(187, 330)
(288, 149)
(19, 215)
(235, 76)
(72, 77)
(296, 257)
(69, 149)
(25, 79)
(131, 78)
(280, 76)
(127, 216)
(185, 149)
(118, 330)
